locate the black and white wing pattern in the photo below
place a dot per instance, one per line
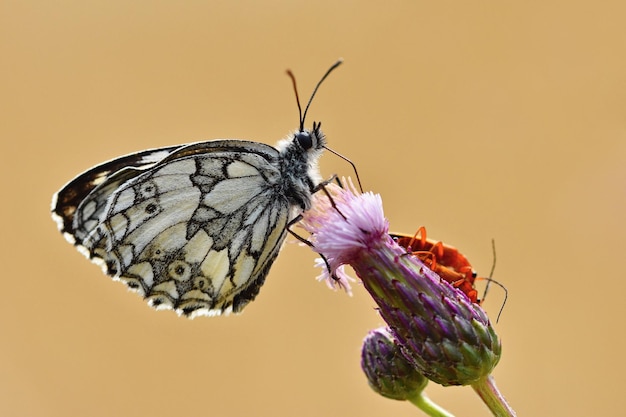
(193, 228)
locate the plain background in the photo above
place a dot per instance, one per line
(478, 120)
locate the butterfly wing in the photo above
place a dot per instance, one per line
(66, 201)
(195, 232)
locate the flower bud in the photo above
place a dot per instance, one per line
(388, 372)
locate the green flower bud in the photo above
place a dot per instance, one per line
(388, 372)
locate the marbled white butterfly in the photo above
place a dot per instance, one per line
(196, 227)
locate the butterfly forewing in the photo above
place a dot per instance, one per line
(194, 228)
(66, 201)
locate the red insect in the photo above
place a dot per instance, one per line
(445, 260)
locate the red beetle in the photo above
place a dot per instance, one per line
(445, 260)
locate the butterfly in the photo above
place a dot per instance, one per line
(194, 228)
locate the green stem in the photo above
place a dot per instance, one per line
(491, 396)
(425, 404)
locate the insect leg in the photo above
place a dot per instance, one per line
(309, 244)
(322, 186)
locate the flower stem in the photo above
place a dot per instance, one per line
(427, 405)
(491, 396)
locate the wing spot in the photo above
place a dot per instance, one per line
(147, 191)
(151, 208)
(179, 271)
(112, 266)
(187, 311)
(201, 283)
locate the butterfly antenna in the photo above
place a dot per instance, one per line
(332, 67)
(295, 90)
(303, 116)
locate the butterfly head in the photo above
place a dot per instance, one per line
(310, 140)
(305, 145)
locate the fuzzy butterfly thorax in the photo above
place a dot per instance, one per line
(299, 157)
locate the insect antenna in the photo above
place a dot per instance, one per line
(493, 267)
(506, 295)
(490, 280)
(295, 90)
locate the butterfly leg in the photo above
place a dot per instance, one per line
(322, 186)
(309, 244)
(336, 179)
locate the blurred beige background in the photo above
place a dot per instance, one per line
(478, 120)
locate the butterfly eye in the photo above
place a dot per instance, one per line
(304, 140)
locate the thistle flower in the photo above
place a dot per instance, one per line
(448, 338)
